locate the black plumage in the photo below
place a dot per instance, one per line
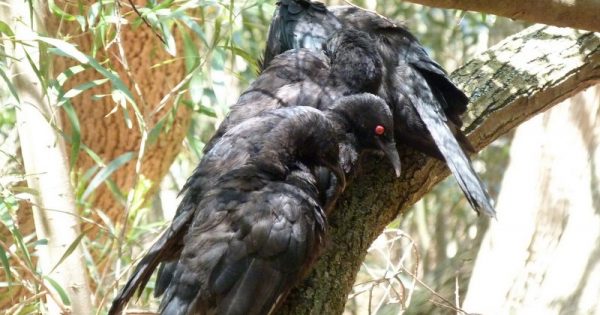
(348, 64)
(425, 103)
(251, 220)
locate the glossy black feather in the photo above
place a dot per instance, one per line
(425, 103)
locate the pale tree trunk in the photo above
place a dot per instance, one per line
(47, 173)
(542, 255)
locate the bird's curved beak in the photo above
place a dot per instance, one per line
(391, 152)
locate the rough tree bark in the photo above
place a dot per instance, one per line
(521, 76)
(581, 14)
(107, 134)
(547, 236)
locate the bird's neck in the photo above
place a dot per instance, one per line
(339, 121)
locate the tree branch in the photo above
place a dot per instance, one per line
(582, 14)
(514, 80)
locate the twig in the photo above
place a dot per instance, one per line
(146, 22)
(41, 282)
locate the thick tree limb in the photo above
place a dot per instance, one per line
(514, 80)
(582, 14)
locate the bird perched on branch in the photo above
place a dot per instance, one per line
(251, 210)
(425, 103)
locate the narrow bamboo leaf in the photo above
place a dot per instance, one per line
(11, 87)
(62, 48)
(79, 89)
(75, 133)
(106, 172)
(170, 45)
(217, 33)
(201, 109)
(41, 242)
(196, 87)
(5, 264)
(162, 5)
(58, 11)
(4, 28)
(116, 192)
(68, 73)
(34, 67)
(248, 57)
(61, 292)
(196, 28)
(155, 131)
(21, 244)
(190, 50)
(93, 13)
(93, 155)
(70, 249)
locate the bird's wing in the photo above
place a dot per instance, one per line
(293, 78)
(245, 262)
(396, 42)
(298, 23)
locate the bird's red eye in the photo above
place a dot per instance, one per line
(379, 130)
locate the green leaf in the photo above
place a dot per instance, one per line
(106, 172)
(21, 245)
(5, 264)
(61, 292)
(58, 11)
(34, 67)
(65, 49)
(75, 133)
(155, 131)
(70, 249)
(11, 87)
(196, 87)
(162, 5)
(247, 56)
(196, 28)
(79, 89)
(190, 51)
(93, 13)
(170, 45)
(4, 28)
(68, 73)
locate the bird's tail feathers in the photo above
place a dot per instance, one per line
(253, 294)
(457, 161)
(144, 269)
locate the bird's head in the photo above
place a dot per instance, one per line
(355, 60)
(370, 120)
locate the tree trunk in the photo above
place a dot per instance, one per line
(516, 79)
(47, 173)
(105, 131)
(548, 227)
(581, 14)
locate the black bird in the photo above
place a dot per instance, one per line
(425, 103)
(348, 64)
(250, 222)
